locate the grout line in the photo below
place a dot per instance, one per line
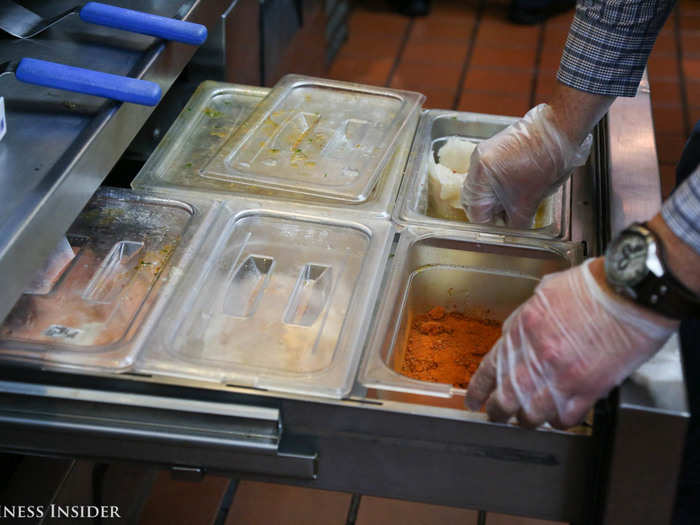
(681, 73)
(353, 508)
(472, 40)
(99, 470)
(59, 488)
(226, 502)
(399, 55)
(538, 62)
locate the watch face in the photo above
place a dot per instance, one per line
(625, 261)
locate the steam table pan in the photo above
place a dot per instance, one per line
(434, 129)
(215, 120)
(460, 272)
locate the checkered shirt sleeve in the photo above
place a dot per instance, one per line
(609, 43)
(681, 211)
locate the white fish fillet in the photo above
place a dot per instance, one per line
(445, 179)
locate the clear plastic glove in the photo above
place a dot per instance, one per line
(562, 350)
(518, 167)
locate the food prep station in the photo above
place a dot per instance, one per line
(241, 308)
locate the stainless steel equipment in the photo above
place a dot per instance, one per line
(64, 145)
(405, 444)
(458, 272)
(435, 128)
(24, 23)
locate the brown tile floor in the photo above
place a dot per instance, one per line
(373, 511)
(256, 503)
(184, 502)
(465, 55)
(147, 496)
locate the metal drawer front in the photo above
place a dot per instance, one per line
(182, 432)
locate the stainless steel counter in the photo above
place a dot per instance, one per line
(651, 408)
(60, 146)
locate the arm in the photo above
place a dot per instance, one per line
(605, 55)
(679, 226)
(576, 338)
(576, 112)
(609, 43)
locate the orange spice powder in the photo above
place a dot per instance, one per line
(447, 347)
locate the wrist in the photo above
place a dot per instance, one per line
(682, 261)
(576, 112)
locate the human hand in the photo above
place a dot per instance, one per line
(563, 349)
(518, 167)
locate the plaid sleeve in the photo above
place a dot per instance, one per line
(682, 211)
(609, 43)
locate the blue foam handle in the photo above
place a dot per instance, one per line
(144, 23)
(69, 78)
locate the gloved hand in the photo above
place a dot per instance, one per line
(518, 167)
(563, 349)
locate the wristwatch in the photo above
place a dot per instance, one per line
(635, 268)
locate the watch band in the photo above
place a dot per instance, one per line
(666, 294)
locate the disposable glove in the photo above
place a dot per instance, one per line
(518, 167)
(563, 349)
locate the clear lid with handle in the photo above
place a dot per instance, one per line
(89, 307)
(212, 115)
(280, 301)
(317, 137)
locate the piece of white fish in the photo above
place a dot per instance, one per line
(446, 177)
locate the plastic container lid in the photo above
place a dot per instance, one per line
(280, 302)
(210, 117)
(91, 311)
(317, 137)
(213, 113)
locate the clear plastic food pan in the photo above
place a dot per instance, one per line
(280, 300)
(213, 114)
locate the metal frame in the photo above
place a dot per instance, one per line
(393, 449)
(651, 415)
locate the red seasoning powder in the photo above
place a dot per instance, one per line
(447, 347)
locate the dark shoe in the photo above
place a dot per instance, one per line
(526, 16)
(414, 7)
